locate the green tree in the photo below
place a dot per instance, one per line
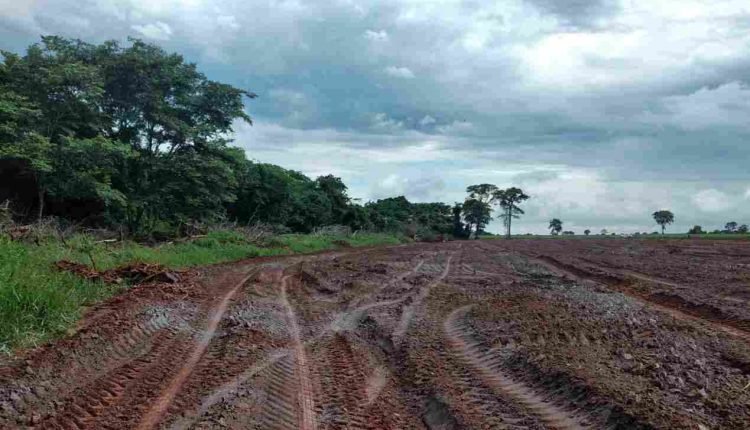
(587, 232)
(555, 226)
(336, 192)
(458, 225)
(508, 200)
(730, 227)
(663, 217)
(696, 230)
(742, 229)
(477, 214)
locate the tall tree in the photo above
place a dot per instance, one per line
(555, 226)
(508, 200)
(663, 217)
(483, 193)
(730, 227)
(477, 214)
(458, 225)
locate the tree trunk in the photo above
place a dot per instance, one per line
(662, 229)
(510, 217)
(40, 197)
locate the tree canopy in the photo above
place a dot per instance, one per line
(663, 217)
(555, 226)
(131, 136)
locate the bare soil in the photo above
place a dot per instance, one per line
(521, 334)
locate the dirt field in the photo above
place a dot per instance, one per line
(522, 334)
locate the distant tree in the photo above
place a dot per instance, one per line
(587, 232)
(458, 225)
(476, 209)
(508, 200)
(742, 229)
(696, 230)
(730, 227)
(603, 232)
(663, 217)
(555, 226)
(481, 192)
(568, 233)
(477, 214)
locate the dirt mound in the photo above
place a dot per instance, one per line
(137, 273)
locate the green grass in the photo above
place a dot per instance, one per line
(38, 303)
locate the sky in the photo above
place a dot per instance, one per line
(603, 111)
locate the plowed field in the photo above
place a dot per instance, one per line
(520, 334)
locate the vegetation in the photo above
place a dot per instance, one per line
(38, 302)
(134, 139)
(556, 226)
(477, 209)
(663, 218)
(508, 201)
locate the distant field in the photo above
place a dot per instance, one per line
(719, 236)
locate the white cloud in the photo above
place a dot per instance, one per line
(228, 21)
(727, 105)
(419, 188)
(399, 72)
(712, 200)
(456, 128)
(376, 36)
(427, 120)
(157, 30)
(382, 122)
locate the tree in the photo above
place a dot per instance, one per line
(603, 232)
(477, 214)
(587, 232)
(696, 230)
(742, 229)
(481, 192)
(458, 225)
(336, 191)
(508, 200)
(663, 217)
(555, 226)
(730, 227)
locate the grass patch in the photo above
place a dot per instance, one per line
(38, 303)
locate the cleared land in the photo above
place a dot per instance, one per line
(521, 334)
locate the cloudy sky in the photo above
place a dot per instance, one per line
(602, 110)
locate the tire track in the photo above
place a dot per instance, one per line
(672, 305)
(261, 368)
(306, 398)
(343, 388)
(408, 311)
(487, 365)
(85, 405)
(160, 405)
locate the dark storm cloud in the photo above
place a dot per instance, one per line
(577, 12)
(586, 95)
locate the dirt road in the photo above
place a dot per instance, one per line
(520, 334)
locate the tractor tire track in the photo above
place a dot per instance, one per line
(666, 303)
(306, 399)
(162, 403)
(488, 366)
(409, 310)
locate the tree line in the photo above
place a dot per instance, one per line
(132, 137)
